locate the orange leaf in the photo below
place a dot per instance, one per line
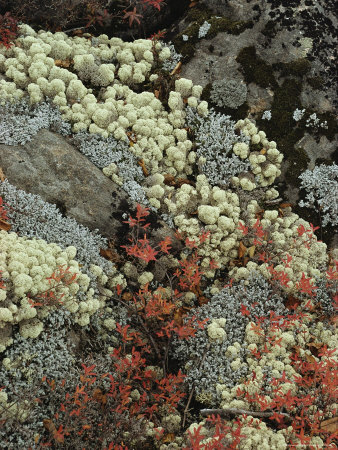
(263, 151)
(310, 358)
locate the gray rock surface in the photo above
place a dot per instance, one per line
(52, 168)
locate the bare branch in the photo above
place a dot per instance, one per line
(235, 412)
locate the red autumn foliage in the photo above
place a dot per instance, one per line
(8, 30)
(50, 297)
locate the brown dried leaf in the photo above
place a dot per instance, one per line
(127, 296)
(169, 180)
(157, 93)
(259, 214)
(99, 396)
(143, 167)
(5, 225)
(251, 251)
(2, 175)
(330, 425)
(286, 205)
(310, 358)
(241, 250)
(106, 253)
(168, 438)
(203, 300)
(292, 302)
(49, 425)
(184, 181)
(315, 347)
(63, 63)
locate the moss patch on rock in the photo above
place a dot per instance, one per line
(298, 68)
(297, 163)
(196, 17)
(255, 69)
(315, 82)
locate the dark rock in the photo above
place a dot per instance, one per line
(52, 168)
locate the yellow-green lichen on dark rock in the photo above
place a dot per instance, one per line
(255, 69)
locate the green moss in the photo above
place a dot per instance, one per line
(327, 162)
(284, 130)
(226, 25)
(297, 68)
(187, 49)
(199, 13)
(297, 163)
(235, 114)
(196, 17)
(270, 29)
(206, 92)
(326, 234)
(254, 69)
(315, 82)
(256, 147)
(332, 128)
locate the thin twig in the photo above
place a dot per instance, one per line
(143, 325)
(193, 386)
(235, 412)
(74, 29)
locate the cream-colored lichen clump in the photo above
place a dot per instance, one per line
(69, 71)
(27, 264)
